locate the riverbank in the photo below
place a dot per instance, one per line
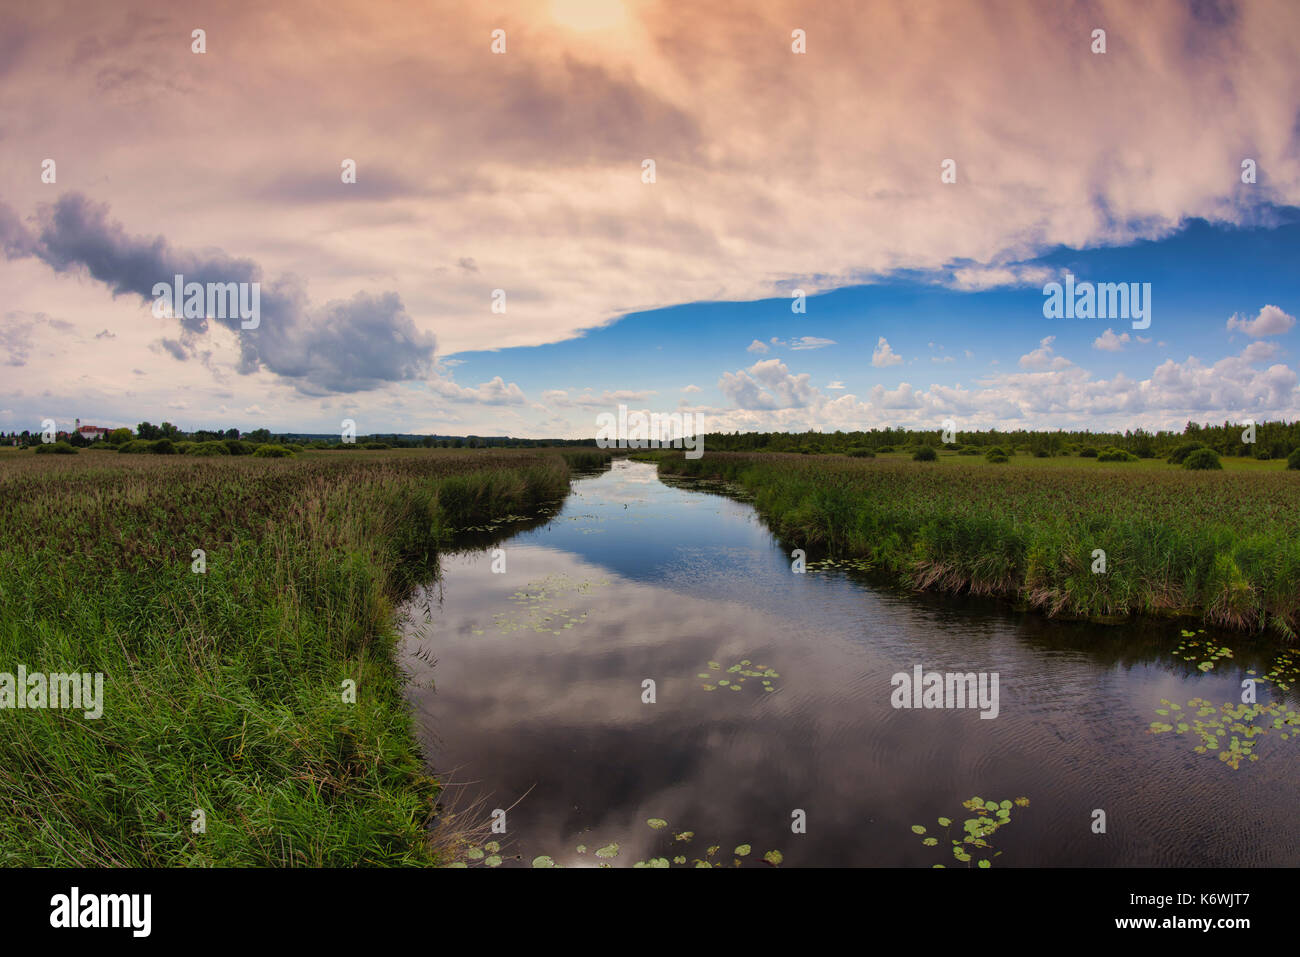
(230, 604)
(1222, 546)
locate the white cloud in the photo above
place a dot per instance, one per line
(1043, 357)
(692, 388)
(883, 356)
(756, 346)
(1109, 342)
(835, 385)
(810, 342)
(493, 392)
(1271, 321)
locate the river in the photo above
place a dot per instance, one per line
(529, 690)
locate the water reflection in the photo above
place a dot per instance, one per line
(538, 689)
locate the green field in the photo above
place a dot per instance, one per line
(224, 691)
(1223, 546)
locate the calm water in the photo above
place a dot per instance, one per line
(538, 700)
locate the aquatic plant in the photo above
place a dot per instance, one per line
(974, 846)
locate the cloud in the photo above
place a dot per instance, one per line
(342, 346)
(980, 278)
(810, 342)
(758, 347)
(767, 384)
(20, 331)
(691, 388)
(1271, 321)
(493, 392)
(835, 385)
(883, 356)
(1109, 342)
(1043, 357)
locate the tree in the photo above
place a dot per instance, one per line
(119, 436)
(147, 431)
(260, 436)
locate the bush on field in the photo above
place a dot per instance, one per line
(862, 453)
(375, 446)
(996, 457)
(951, 446)
(56, 448)
(1293, 460)
(1112, 454)
(995, 450)
(970, 450)
(925, 454)
(885, 448)
(162, 447)
(1203, 459)
(1042, 454)
(237, 447)
(294, 447)
(271, 452)
(208, 448)
(1088, 453)
(1178, 455)
(1263, 454)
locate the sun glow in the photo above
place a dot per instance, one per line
(589, 14)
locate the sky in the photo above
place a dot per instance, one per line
(850, 218)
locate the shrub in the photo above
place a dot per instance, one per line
(374, 446)
(271, 452)
(162, 447)
(56, 448)
(1263, 454)
(996, 450)
(237, 447)
(885, 448)
(1178, 455)
(208, 448)
(996, 457)
(294, 447)
(1203, 459)
(1088, 453)
(862, 453)
(925, 454)
(1042, 454)
(1293, 460)
(135, 446)
(970, 450)
(1112, 454)
(951, 446)
(119, 436)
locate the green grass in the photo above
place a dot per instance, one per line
(1221, 545)
(223, 691)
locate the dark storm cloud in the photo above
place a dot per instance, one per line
(342, 346)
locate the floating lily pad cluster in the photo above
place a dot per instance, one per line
(1286, 669)
(503, 520)
(974, 845)
(489, 855)
(1193, 648)
(541, 611)
(840, 564)
(709, 858)
(1230, 729)
(734, 677)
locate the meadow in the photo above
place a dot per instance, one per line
(1222, 546)
(225, 695)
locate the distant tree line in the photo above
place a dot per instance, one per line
(148, 432)
(1273, 440)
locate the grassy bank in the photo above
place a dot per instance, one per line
(1221, 545)
(224, 691)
